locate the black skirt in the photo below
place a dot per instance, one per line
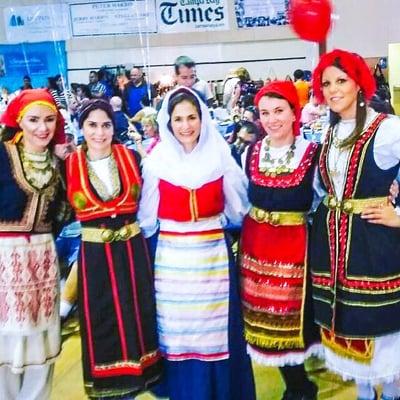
(117, 315)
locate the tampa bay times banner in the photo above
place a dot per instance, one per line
(252, 13)
(44, 22)
(175, 16)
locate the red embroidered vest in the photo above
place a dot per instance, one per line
(86, 202)
(184, 205)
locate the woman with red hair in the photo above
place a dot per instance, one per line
(354, 251)
(31, 206)
(278, 314)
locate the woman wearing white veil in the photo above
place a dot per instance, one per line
(192, 187)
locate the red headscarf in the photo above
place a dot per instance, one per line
(288, 91)
(24, 101)
(351, 63)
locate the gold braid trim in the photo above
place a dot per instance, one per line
(93, 391)
(279, 343)
(264, 321)
(45, 103)
(345, 348)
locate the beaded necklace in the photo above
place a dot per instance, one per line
(38, 167)
(337, 152)
(280, 165)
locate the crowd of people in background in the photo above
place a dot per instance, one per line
(133, 97)
(199, 231)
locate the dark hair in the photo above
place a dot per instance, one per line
(183, 61)
(101, 74)
(7, 133)
(27, 78)
(95, 104)
(254, 110)
(85, 89)
(361, 114)
(298, 74)
(74, 86)
(247, 100)
(249, 126)
(51, 83)
(94, 72)
(178, 97)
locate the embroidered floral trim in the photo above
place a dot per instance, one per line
(28, 285)
(34, 216)
(282, 181)
(92, 205)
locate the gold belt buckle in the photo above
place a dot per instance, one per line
(273, 218)
(107, 235)
(333, 203)
(260, 215)
(124, 233)
(347, 206)
(270, 217)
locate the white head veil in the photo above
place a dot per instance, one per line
(206, 162)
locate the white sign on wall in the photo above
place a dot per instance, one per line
(192, 15)
(113, 17)
(40, 23)
(251, 13)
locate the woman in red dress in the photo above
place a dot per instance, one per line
(278, 315)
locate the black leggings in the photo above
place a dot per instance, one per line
(296, 379)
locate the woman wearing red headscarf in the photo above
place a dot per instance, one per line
(355, 254)
(31, 205)
(277, 309)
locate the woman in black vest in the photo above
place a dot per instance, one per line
(354, 262)
(32, 207)
(275, 282)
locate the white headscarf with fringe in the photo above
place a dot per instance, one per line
(208, 161)
(205, 163)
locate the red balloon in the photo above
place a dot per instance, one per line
(310, 19)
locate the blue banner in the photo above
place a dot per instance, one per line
(37, 60)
